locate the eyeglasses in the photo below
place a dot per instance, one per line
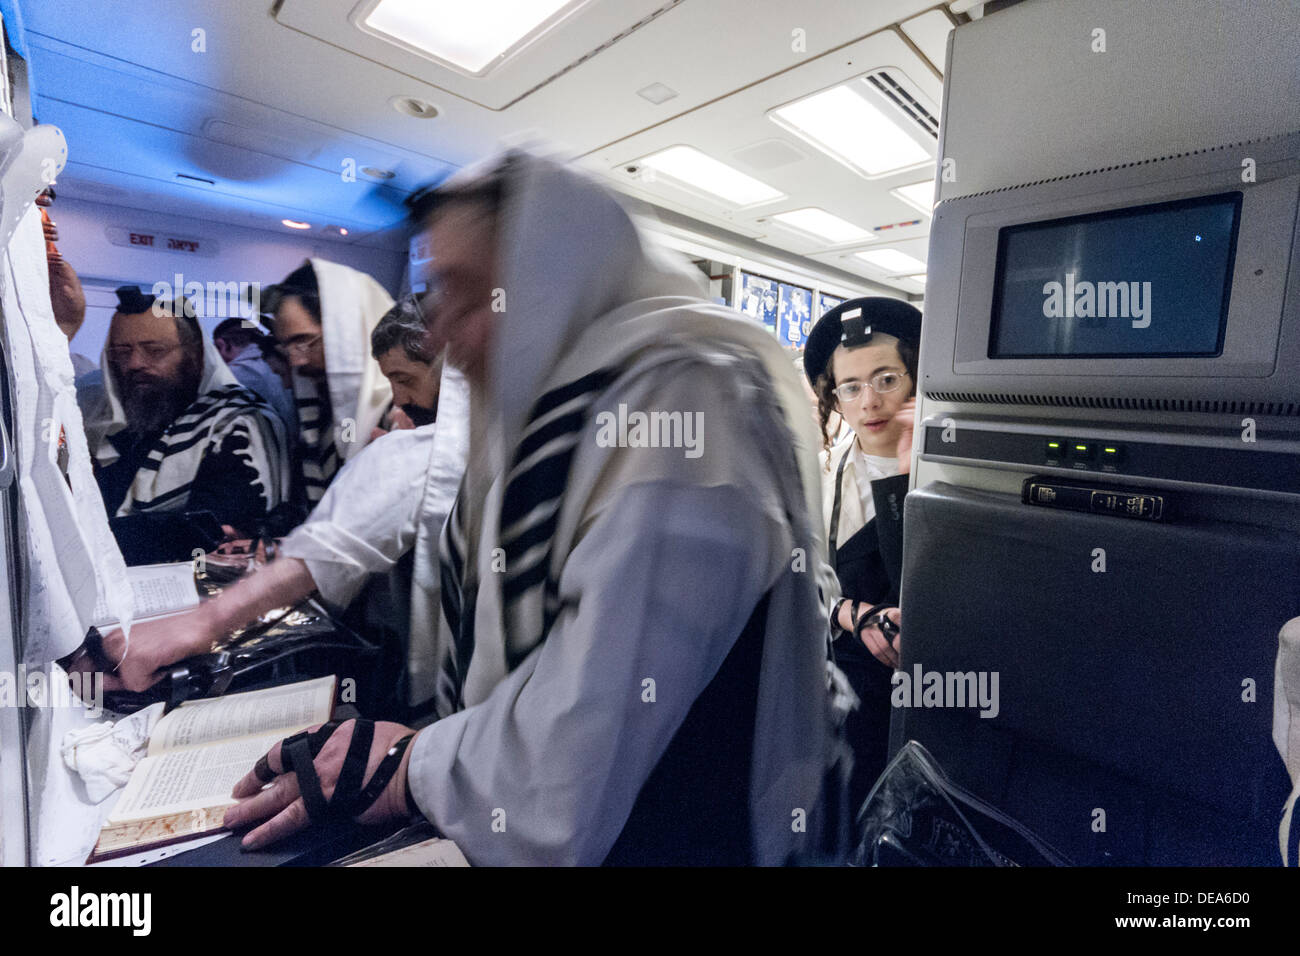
(152, 351)
(301, 348)
(881, 383)
(426, 302)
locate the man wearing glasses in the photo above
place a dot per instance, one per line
(381, 515)
(172, 430)
(635, 674)
(323, 314)
(861, 362)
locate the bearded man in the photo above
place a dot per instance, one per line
(171, 429)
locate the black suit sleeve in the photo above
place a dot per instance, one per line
(888, 494)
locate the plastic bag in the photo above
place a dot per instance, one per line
(916, 816)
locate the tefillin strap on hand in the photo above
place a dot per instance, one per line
(350, 799)
(876, 617)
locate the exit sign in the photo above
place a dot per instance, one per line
(157, 241)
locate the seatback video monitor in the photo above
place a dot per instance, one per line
(1173, 284)
(1151, 280)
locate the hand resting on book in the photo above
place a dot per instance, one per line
(278, 810)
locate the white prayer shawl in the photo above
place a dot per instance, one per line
(70, 556)
(222, 406)
(393, 496)
(857, 508)
(583, 296)
(352, 303)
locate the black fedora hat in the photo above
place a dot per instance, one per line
(852, 323)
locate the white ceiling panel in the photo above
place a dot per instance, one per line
(736, 130)
(930, 32)
(270, 102)
(585, 32)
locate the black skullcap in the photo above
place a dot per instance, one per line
(879, 314)
(131, 301)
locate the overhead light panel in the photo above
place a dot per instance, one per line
(892, 261)
(919, 196)
(470, 37)
(694, 170)
(823, 225)
(844, 123)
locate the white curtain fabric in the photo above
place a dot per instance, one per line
(71, 555)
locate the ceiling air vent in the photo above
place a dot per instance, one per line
(413, 106)
(895, 88)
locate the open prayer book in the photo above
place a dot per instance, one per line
(157, 590)
(197, 753)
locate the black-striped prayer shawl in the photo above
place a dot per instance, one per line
(228, 415)
(318, 454)
(530, 507)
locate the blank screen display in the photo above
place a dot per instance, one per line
(1144, 281)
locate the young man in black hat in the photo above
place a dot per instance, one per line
(861, 361)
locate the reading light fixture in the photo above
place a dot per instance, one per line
(824, 226)
(892, 261)
(920, 196)
(843, 123)
(694, 170)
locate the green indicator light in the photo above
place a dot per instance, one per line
(1080, 447)
(1109, 451)
(1053, 444)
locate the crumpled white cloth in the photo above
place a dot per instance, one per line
(104, 754)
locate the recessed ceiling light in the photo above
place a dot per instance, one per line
(919, 196)
(413, 106)
(892, 261)
(294, 224)
(657, 93)
(694, 170)
(469, 37)
(374, 172)
(823, 225)
(844, 124)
